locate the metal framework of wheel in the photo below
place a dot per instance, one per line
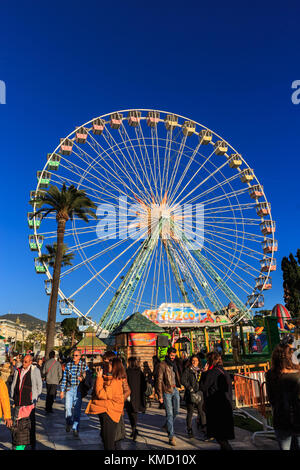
(181, 218)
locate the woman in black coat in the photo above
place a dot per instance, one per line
(216, 386)
(136, 401)
(283, 390)
(190, 379)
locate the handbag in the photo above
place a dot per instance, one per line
(196, 397)
(120, 432)
(149, 390)
(83, 387)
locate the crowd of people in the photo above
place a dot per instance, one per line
(199, 383)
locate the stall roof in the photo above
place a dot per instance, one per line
(90, 341)
(137, 323)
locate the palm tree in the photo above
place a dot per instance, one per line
(65, 203)
(49, 258)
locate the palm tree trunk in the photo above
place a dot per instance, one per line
(50, 331)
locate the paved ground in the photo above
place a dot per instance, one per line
(51, 434)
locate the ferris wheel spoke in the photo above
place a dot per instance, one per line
(110, 140)
(93, 257)
(175, 167)
(231, 256)
(113, 281)
(158, 277)
(120, 169)
(241, 281)
(143, 283)
(143, 150)
(106, 182)
(154, 179)
(191, 159)
(199, 276)
(105, 267)
(221, 247)
(133, 164)
(192, 178)
(247, 250)
(227, 196)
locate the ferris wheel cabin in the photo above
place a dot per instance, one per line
(221, 147)
(34, 196)
(34, 221)
(35, 243)
(98, 126)
(44, 178)
(48, 286)
(267, 264)
(234, 160)
(256, 191)
(247, 175)
(188, 128)
(171, 121)
(256, 300)
(116, 120)
(134, 118)
(66, 146)
(81, 135)
(39, 266)
(66, 306)
(153, 118)
(205, 136)
(269, 246)
(263, 283)
(53, 163)
(267, 227)
(263, 208)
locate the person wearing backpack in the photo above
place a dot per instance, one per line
(52, 372)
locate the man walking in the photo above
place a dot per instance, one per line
(25, 390)
(52, 372)
(74, 374)
(168, 382)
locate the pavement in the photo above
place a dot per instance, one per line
(51, 433)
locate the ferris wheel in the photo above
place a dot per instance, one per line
(181, 218)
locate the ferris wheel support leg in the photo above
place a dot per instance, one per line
(224, 288)
(117, 307)
(200, 277)
(175, 271)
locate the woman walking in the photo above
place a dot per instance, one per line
(136, 401)
(283, 390)
(216, 386)
(108, 400)
(193, 396)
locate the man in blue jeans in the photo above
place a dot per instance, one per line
(74, 373)
(168, 382)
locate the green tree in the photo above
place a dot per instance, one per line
(70, 329)
(49, 258)
(65, 204)
(291, 283)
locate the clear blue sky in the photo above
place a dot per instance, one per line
(228, 65)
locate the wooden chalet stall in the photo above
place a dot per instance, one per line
(90, 345)
(137, 336)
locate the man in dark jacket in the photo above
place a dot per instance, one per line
(168, 382)
(52, 371)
